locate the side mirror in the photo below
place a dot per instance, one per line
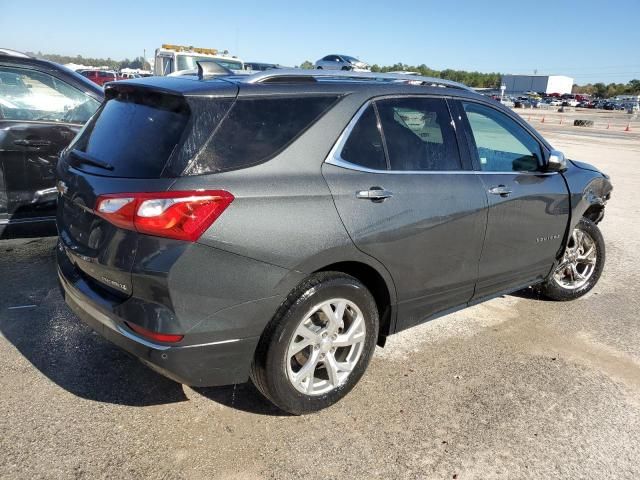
(557, 161)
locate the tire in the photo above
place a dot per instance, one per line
(319, 68)
(280, 376)
(346, 68)
(559, 286)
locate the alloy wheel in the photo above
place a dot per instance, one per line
(578, 263)
(326, 347)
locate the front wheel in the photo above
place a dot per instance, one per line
(581, 266)
(318, 345)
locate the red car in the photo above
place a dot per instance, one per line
(100, 76)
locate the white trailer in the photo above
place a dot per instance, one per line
(546, 84)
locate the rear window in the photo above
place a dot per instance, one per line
(255, 130)
(135, 133)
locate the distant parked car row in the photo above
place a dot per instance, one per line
(101, 77)
(566, 101)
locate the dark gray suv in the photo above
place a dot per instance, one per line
(280, 225)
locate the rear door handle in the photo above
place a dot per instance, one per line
(32, 143)
(501, 190)
(375, 194)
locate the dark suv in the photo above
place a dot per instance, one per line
(280, 225)
(42, 107)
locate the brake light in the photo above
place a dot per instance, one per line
(157, 336)
(183, 215)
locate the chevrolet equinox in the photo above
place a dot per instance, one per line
(278, 226)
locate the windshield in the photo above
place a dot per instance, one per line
(188, 62)
(350, 59)
(37, 96)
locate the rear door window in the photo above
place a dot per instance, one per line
(419, 134)
(257, 129)
(364, 145)
(134, 133)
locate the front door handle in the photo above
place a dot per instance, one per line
(32, 143)
(375, 194)
(501, 190)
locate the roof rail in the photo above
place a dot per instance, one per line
(301, 75)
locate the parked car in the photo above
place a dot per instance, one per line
(129, 76)
(507, 102)
(100, 77)
(342, 62)
(217, 240)
(554, 102)
(42, 107)
(570, 102)
(522, 103)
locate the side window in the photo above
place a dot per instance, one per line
(419, 134)
(364, 145)
(502, 144)
(257, 129)
(167, 65)
(36, 96)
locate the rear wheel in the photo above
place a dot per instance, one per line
(580, 267)
(319, 68)
(318, 345)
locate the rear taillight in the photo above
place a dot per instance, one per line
(183, 215)
(157, 336)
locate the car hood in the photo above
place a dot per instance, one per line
(585, 166)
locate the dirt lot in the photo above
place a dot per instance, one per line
(514, 388)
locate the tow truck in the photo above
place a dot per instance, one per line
(170, 59)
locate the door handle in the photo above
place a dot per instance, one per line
(32, 143)
(375, 194)
(501, 190)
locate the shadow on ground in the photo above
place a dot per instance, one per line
(36, 321)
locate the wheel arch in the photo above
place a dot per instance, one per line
(383, 293)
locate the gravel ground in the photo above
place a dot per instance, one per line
(514, 388)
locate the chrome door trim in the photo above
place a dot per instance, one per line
(334, 158)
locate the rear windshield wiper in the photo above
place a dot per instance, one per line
(82, 157)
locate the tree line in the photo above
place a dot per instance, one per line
(137, 62)
(610, 90)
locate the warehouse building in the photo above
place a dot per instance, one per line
(518, 84)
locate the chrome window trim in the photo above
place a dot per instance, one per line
(334, 158)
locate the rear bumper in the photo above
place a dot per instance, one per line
(222, 362)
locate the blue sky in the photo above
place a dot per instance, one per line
(562, 37)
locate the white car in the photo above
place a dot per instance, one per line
(342, 62)
(507, 102)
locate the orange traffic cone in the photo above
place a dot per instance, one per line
(542, 121)
(628, 129)
(529, 118)
(560, 120)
